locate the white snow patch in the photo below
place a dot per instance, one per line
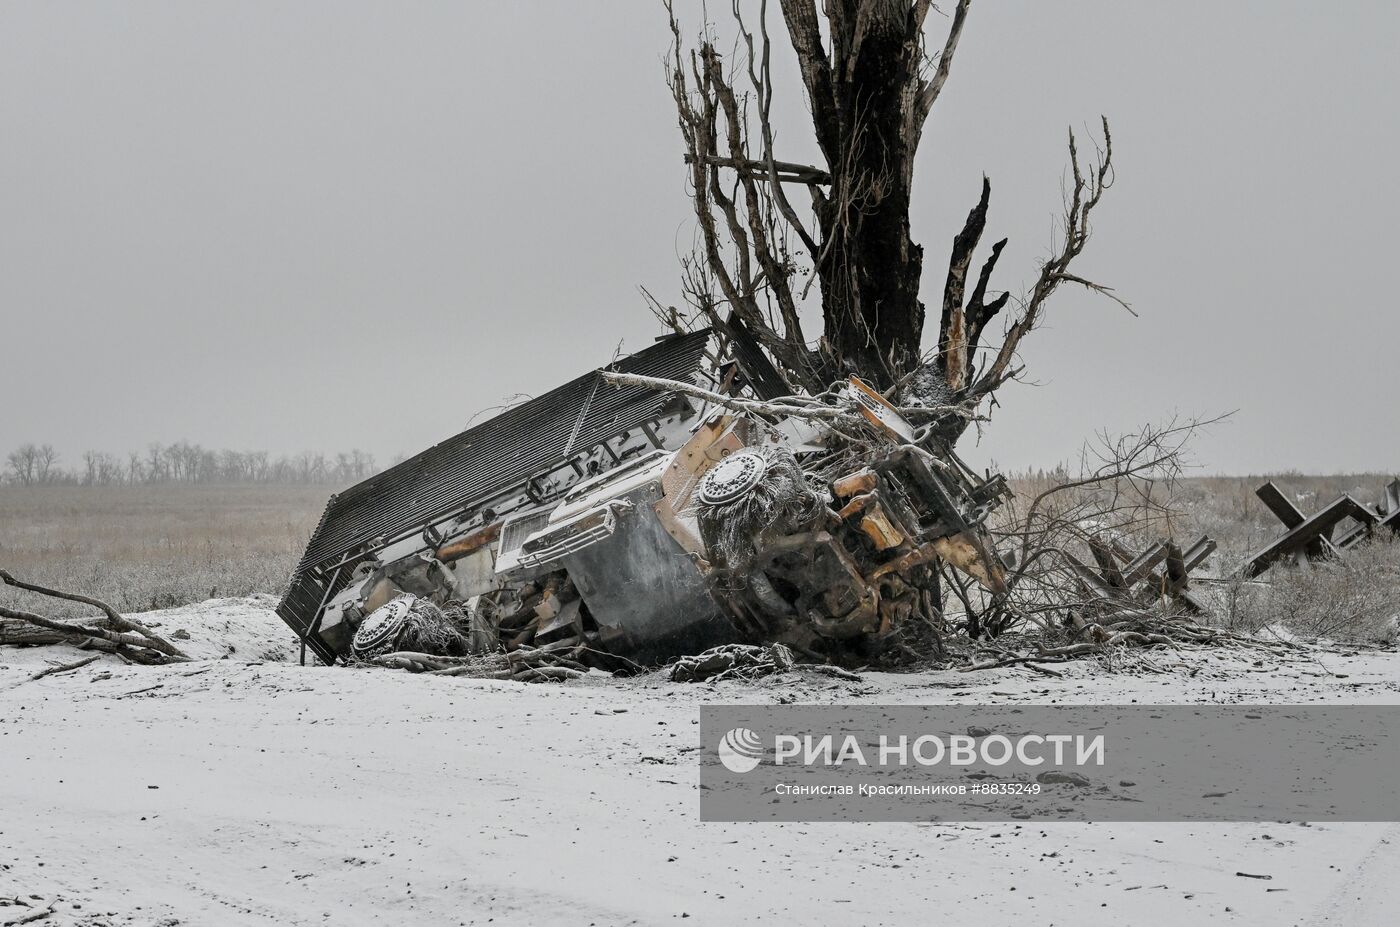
(227, 792)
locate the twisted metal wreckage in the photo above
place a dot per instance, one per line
(675, 500)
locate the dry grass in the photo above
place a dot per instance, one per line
(144, 547)
(1356, 598)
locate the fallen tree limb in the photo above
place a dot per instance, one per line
(119, 621)
(1138, 633)
(732, 661)
(136, 646)
(1013, 661)
(826, 669)
(733, 403)
(788, 407)
(552, 663)
(548, 673)
(14, 631)
(64, 667)
(36, 916)
(159, 685)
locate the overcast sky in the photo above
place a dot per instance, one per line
(283, 226)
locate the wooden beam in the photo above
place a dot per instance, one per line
(787, 171)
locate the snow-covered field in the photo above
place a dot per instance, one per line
(245, 789)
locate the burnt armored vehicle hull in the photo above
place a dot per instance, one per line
(646, 523)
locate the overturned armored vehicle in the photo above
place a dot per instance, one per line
(656, 507)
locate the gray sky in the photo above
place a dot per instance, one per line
(324, 225)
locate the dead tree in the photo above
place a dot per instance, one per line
(870, 84)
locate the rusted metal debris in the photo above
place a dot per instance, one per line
(630, 525)
(1341, 524)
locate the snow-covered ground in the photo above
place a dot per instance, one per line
(245, 789)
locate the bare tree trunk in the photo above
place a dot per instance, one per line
(869, 100)
(870, 85)
(18, 631)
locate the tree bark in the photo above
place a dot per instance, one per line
(17, 631)
(143, 636)
(868, 103)
(870, 84)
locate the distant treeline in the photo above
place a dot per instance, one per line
(182, 462)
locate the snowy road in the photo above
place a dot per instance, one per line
(226, 793)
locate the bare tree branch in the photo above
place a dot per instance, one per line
(1083, 197)
(118, 620)
(928, 93)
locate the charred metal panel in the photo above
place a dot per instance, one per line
(481, 463)
(763, 377)
(646, 593)
(501, 452)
